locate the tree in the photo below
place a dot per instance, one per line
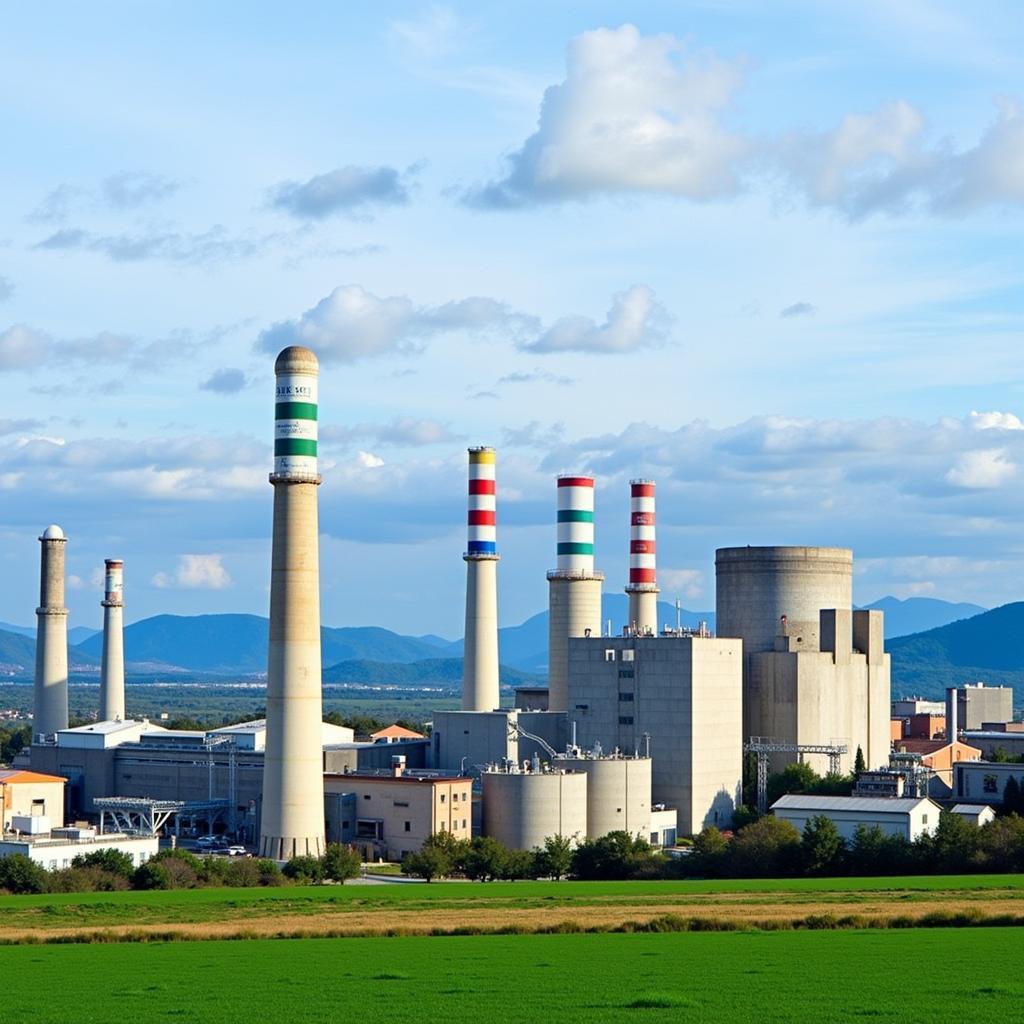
(794, 778)
(429, 862)
(859, 764)
(117, 862)
(485, 859)
(555, 860)
(1013, 797)
(873, 852)
(20, 874)
(519, 864)
(304, 870)
(341, 862)
(822, 847)
(1001, 844)
(954, 846)
(769, 848)
(709, 852)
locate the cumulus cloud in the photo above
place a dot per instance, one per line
(534, 435)
(352, 324)
(18, 426)
(368, 460)
(635, 113)
(226, 381)
(350, 190)
(797, 309)
(982, 469)
(995, 421)
(195, 572)
(687, 583)
(636, 320)
(405, 431)
(213, 246)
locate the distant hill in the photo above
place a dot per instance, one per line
(988, 647)
(76, 634)
(17, 654)
(445, 672)
(918, 614)
(237, 644)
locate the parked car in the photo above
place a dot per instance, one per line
(237, 851)
(210, 842)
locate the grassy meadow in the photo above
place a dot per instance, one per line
(740, 977)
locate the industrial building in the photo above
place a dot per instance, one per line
(939, 757)
(995, 743)
(390, 812)
(468, 741)
(522, 809)
(975, 705)
(677, 699)
(30, 795)
(983, 782)
(815, 672)
(908, 817)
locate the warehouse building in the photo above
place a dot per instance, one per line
(984, 782)
(908, 817)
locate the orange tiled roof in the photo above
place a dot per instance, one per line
(396, 732)
(17, 775)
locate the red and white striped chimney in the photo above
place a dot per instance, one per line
(643, 582)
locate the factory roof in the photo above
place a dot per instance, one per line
(257, 725)
(116, 725)
(971, 809)
(396, 732)
(993, 734)
(18, 775)
(869, 804)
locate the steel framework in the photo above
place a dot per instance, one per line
(763, 746)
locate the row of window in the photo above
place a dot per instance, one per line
(627, 655)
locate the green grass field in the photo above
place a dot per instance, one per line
(740, 977)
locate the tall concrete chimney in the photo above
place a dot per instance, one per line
(50, 694)
(112, 663)
(574, 594)
(292, 820)
(643, 584)
(480, 653)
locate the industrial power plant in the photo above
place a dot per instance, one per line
(643, 727)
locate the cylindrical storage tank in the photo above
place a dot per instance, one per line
(618, 793)
(523, 809)
(755, 587)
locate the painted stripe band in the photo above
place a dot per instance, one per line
(481, 518)
(575, 549)
(482, 547)
(294, 446)
(295, 411)
(641, 547)
(481, 487)
(575, 515)
(575, 481)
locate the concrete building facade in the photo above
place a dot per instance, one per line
(523, 809)
(814, 673)
(392, 812)
(983, 782)
(59, 849)
(468, 741)
(618, 792)
(974, 704)
(26, 794)
(678, 699)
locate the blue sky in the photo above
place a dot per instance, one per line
(768, 255)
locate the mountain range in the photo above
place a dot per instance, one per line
(946, 644)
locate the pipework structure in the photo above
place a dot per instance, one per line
(112, 661)
(292, 819)
(480, 651)
(642, 589)
(50, 692)
(574, 587)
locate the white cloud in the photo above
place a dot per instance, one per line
(433, 32)
(195, 572)
(635, 113)
(22, 347)
(687, 583)
(75, 582)
(995, 421)
(352, 324)
(404, 430)
(636, 320)
(982, 469)
(369, 461)
(344, 190)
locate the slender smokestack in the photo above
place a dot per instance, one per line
(643, 583)
(112, 664)
(292, 820)
(50, 696)
(480, 654)
(574, 595)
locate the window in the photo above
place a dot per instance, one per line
(366, 796)
(924, 819)
(463, 822)
(582, 707)
(609, 654)
(626, 673)
(628, 655)
(442, 798)
(991, 784)
(625, 719)
(626, 697)
(408, 827)
(400, 803)
(455, 798)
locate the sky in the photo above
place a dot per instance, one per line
(768, 255)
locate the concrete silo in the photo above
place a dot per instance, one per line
(522, 809)
(50, 693)
(574, 594)
(618, 793)
(292, 819)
